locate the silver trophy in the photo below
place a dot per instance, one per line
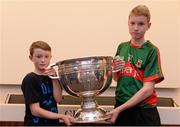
(86, 78)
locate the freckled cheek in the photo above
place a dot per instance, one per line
(47, 61)
(130, 31)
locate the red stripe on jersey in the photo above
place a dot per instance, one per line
(159, 63)
(158, 78)
(154, 77)
(132, 71)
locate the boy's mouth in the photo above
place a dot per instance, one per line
(43, 65)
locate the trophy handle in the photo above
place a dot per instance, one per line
(52, 65)
(61, 81)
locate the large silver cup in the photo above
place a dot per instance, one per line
(86, 78)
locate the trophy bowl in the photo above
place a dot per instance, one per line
(86, 78)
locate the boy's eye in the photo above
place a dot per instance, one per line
(141, 23)
(38, 56)
(132, 23)
(46, 56)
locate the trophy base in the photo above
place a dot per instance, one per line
(90, 116)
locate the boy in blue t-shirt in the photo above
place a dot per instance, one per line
(42, 93)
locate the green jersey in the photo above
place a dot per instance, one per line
(142, 64)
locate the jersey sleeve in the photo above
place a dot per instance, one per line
(153, 71)
(30, 90)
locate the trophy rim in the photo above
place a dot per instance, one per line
(84, 58)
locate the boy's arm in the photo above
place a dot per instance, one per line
(36, 110)
(115, 76)
(57, 90)
(142, 94)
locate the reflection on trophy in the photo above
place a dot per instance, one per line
(86, 78)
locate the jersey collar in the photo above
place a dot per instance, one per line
(136, 46)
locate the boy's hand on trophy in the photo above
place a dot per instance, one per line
(118, 64)
(68, 120)
(50, 71)
(112, 116)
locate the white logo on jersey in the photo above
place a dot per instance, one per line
(139, 63)
(130, 57)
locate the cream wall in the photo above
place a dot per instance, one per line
(76, 28)
(0, 42)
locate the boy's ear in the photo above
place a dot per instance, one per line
(149, 25)
(30, 57)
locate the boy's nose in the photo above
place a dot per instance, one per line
(43, 59)
(135, 27)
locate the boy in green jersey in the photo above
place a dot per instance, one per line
(137, 69)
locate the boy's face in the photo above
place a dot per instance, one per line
(41, 59)
(138, 25)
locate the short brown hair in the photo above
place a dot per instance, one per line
(141, 10)
(39, 44)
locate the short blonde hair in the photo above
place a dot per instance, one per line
(141, 10)
(39, 44)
